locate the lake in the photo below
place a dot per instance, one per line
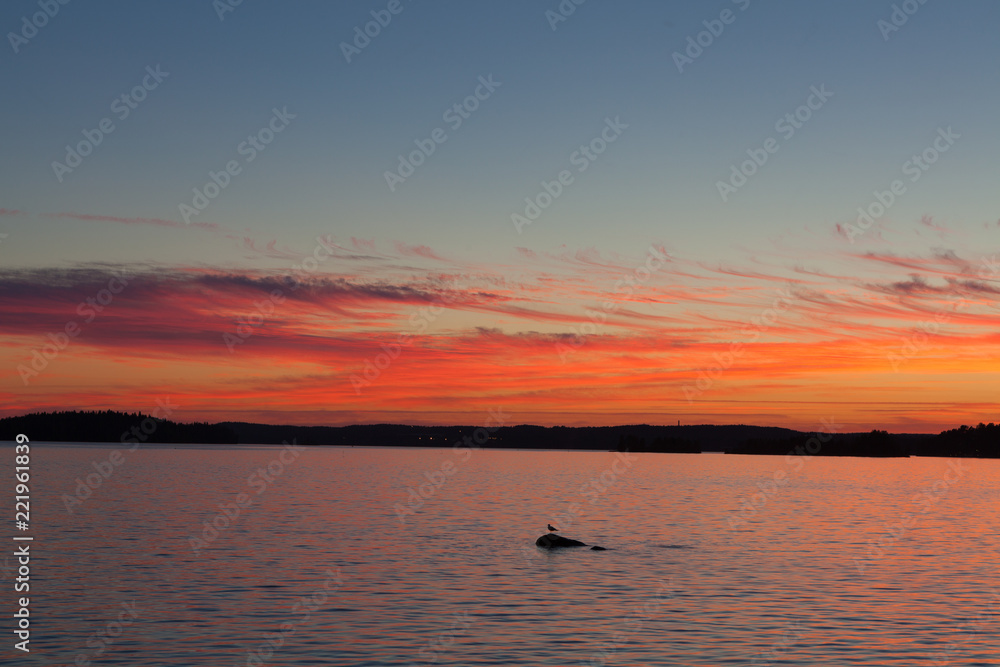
(348, 556)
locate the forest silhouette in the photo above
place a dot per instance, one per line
(108, 426)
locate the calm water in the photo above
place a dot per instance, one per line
(319, 570)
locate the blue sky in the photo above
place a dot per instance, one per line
(325, 175)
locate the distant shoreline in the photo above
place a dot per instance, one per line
(133, 429)
(210, 446)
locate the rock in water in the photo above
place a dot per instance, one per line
(553, 541)
(556, 541)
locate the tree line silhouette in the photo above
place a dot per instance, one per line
(111, 426)
(982, 441)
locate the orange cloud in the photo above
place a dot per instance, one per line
(874, 339)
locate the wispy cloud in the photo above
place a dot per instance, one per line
(416, 251)
(495, 331)
(158, 222)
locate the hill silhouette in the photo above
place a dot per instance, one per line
(982, 441)
(875, 443)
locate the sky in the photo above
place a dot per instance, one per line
(725, 212)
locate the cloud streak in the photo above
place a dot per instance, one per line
(489, 334)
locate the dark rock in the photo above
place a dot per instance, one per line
(553, 541)
(556, 541)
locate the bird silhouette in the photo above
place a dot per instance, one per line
(552, 529)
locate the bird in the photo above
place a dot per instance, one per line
(552, 529)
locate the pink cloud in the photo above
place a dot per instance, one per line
(368, 245)
(416, 251)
